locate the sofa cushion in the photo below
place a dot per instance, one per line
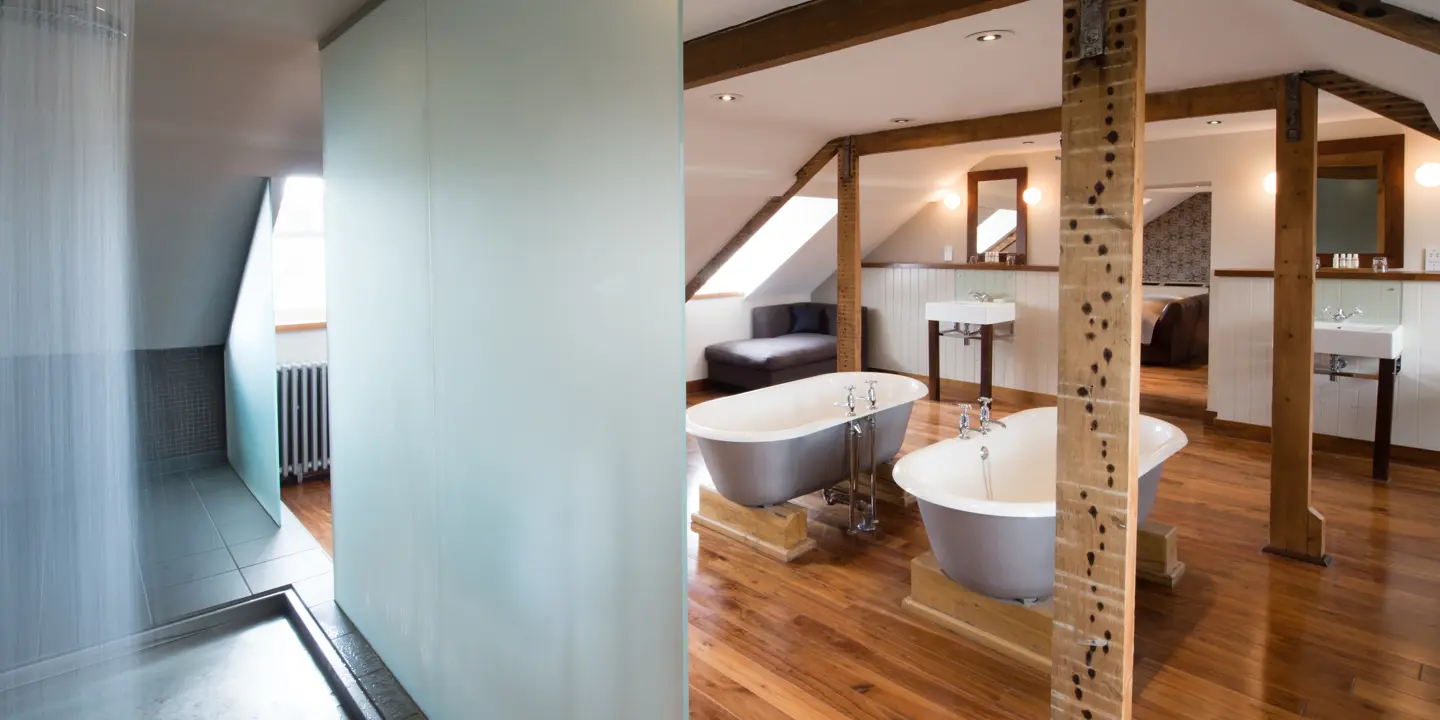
(807, 318)
(775, 353)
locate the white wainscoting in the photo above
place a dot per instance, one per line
(1241, 342)
(897, 297)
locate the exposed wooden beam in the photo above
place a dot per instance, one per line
(815, 28)
(1297, 531)
(1406, 111)
(1396, 22)
(848, 325)
(1224, 99)
(1097, 488)
(803, 176)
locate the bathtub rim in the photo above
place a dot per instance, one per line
(904, 478)
(909, 388)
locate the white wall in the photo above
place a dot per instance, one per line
(252, 424)
(301, 346)
(504, 229)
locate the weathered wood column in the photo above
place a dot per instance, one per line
(1297, 531)
(1102, 128)
(847, 274)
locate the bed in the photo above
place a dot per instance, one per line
(1175, 324)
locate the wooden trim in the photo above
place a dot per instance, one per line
(1097, 488)
(300, 327)
(1396, 22)
(1021, 176)
(848, 311)
(1332, 274)
(1223, 99)
(996, 267)
(1297, 530)
(803, 176)
(1332, 444)
(1404, 110)
(815, 28)
(349, 22)
(717, 296)
(1384, 155)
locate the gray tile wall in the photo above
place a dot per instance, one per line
(182, 401)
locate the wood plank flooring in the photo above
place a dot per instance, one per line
(310, 501)
(1176, 391)
(1244, 635)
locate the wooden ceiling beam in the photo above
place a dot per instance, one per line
(1223, 99)
(1389, 20)
(815, 28)
(803, 176)
(1406, 111)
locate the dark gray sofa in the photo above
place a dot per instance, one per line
(774, 354)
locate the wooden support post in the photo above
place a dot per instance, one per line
(1097, 491)
(1384, 418)
(934, 334)
(847, 274)
(1297, 531)
(779, 531)
(987, 361)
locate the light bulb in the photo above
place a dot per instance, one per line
(1428, 175)
(952, 201)
(1033, 196)
(1272, 183)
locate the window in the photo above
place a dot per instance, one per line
(997, 227)
(299, 253)
(772, 245)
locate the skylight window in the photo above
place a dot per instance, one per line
(772, 245)
(299, 252)
(997, 227)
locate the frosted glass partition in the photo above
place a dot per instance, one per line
(509, 497)
(252, 413)
(1380, 301)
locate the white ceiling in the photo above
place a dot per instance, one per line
(739, 154)
(703, 17)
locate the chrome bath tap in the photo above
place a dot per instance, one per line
(985, 420)
(849, 403)
(1339, 315)
(964, 422)
(870, 395)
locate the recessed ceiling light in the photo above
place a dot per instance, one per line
(1213, 122)
(990, 36)
(728, 97)
(902, 121)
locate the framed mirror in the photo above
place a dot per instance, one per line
(1360, 200)
(997, 220)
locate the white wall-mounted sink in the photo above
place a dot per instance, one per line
(1359, 339)
(972, 312)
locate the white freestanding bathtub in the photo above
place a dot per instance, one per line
(1000, 542)
(775, 444)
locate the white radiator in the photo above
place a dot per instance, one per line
(304, 394)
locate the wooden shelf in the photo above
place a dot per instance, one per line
(965, 266)
(1333, 274)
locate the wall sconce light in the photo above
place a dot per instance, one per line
(952, 200)
(1428, 175)
(1272, 183)
(1033, 196)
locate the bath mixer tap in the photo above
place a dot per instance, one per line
(849, 403)
(964, 422)
(985, 420)
(870, 395)
(1339, 315)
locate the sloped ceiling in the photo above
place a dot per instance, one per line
(739, 154)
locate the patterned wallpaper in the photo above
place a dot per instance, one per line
(1177, 244)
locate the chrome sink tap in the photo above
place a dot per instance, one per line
(964, 422)
(1339, 315)
(980, 296)
(985, 420)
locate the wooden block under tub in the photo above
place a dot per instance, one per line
(779, 531)
(1018, 631)
(1158, 559)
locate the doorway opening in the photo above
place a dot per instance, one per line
(1175, 311)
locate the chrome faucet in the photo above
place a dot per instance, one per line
(964, 422)
(1337, 365)
(1339, 315)
(849, 403)
(870, 395)
(985, 421)
(980, 296)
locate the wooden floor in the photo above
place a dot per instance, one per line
(310, 501)
(1177, 391)
(1245, 635)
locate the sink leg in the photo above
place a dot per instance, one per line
(935, 360)
(1384, 418)
(987, 360)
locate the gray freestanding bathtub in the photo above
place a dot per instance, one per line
(991, 522)
(775, 444)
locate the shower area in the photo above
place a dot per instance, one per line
(78, 635)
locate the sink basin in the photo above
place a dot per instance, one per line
(1359, 339)
(972, 312)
